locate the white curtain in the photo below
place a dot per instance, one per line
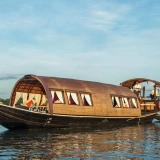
(117, 100)
(134, 102)
(38, 98)
(112, 99)
(25, 97)
(44, 99)
(88, 98)
(68, 94)
(125, 101)
(59, 94)
(31, 97)
(83, 95)
(52, 93)
(17, 97)
(74, 96)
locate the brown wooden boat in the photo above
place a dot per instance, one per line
(51, 102)
(150, 102)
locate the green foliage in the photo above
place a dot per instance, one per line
(4, 101)
(20, 101)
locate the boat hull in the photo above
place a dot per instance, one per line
(15, 118)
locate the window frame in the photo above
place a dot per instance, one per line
(62, 91)
(77, 95)
(136, 100)
(90, 96)
(119, 98)
(129, 99)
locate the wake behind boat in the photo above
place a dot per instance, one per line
(51, 102)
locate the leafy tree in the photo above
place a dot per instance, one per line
(20, 101)
(4, 101)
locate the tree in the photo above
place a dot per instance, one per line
(5, 101)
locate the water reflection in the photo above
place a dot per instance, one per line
(131, 143)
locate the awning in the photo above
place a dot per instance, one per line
(131, 82)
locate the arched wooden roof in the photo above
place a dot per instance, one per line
(43, 85)
(31, 84)
(131, 82)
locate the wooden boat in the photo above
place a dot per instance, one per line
(51, 102)
(148, 103)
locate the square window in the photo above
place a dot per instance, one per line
(133, 103)
(57, 97)
(72, 98)
(125, 102)
(86, 99)
(115, 101)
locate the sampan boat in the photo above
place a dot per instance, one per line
(52, 102)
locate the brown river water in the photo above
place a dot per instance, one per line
(128, 143)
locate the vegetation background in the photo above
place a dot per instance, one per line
(6, 101)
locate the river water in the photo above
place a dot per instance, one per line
(128, 143)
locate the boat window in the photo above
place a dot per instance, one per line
(72, 98)
(57, 96)
(86, 99)
(133, 103)
(115, 101)
(125, 102)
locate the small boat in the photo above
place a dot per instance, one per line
(52, 102)
(148, 103)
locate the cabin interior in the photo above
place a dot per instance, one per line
(39, 103)
(149, 101)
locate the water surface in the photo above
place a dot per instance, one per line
(129, 143)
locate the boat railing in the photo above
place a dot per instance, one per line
(148, 106)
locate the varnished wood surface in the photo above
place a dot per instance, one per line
(100, 92)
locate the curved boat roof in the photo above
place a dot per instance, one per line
(43, 85)
(131, 82)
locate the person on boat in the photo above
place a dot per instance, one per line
(152, 93)
(137, 88)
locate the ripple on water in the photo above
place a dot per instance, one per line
(136, 143)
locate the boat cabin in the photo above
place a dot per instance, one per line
(149, 96)
(62, 96)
